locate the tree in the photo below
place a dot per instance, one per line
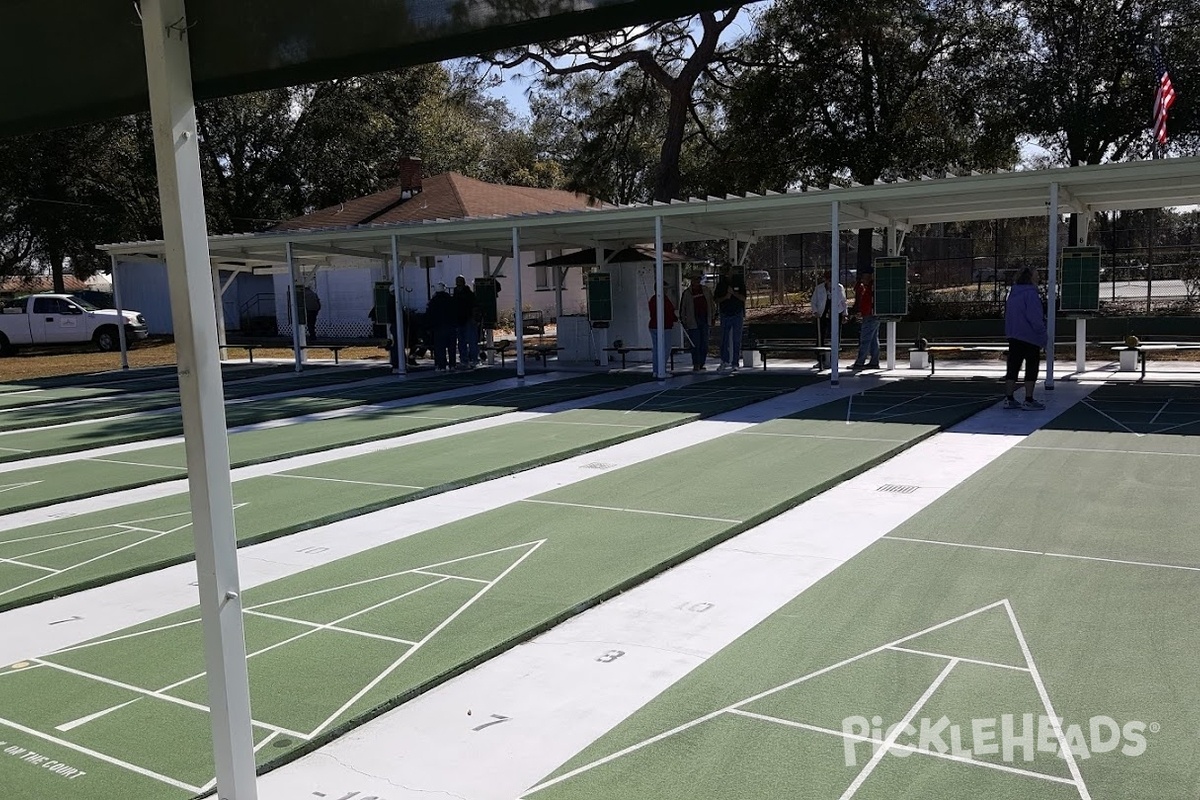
(1088, 85)
(859, 92)
(668, 53)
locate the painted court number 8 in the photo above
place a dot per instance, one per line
(610, 656)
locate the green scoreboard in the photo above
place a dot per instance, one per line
(487, 291)
(1079, 277)
(891, 286)
(599, 298)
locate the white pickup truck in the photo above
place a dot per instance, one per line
(48, 319)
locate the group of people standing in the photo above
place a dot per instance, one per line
(699, 309)
(453, 322)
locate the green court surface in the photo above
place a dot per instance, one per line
(103, 432)
(141, 379)
(134, 402)
(58, 390)
(87, 477)
(68, 555)
(1058, 583)
(337, 644)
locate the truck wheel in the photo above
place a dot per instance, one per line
(107, 339)
(6, 349)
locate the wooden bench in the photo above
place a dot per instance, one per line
(792, 346)
(336, 348)
(249, 348)
(953, 347)
(624, 351)
(543, 352)
(1143, 349)
(500, 348)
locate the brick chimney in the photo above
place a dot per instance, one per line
(410, 176)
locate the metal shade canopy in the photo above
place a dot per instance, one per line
(76, 61)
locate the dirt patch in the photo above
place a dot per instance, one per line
(82, 360)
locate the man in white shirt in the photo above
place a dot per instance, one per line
(823, 309)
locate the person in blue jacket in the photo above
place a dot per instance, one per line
(1025, 328)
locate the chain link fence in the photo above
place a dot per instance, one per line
(1146, 269)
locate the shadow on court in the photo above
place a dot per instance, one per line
(1168, 410)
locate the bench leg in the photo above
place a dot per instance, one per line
(1143, 355)
(250, 353)
(335, 357)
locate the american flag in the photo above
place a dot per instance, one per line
(1164, 95)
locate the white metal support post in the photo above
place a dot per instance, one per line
(519, 316)
(297, 307)
(1081, 237)
(660, 332)
(1051, 286)
(398, 288)
(120, 315)
(835, 316)
(173, 112)
(219, 303)
(891, 323)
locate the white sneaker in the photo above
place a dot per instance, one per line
(724, 367)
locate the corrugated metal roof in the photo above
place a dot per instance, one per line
(1105, 187)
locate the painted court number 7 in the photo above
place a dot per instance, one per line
(496, 720)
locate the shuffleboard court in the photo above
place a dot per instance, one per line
(59, 391)
(142, 378)
(90, 476)
(136, 402)
(40, 561)
(1030, 634)
(18, 445)
(338, 644)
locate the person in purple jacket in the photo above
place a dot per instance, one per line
(1025, 328)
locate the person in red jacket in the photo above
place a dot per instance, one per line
(868, 334)
(668, 320)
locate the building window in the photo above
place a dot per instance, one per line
(544, 277)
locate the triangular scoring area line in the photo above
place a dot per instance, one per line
(1064, 747)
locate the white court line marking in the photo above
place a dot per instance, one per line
(443, 575)
(1087, 402)
(107, 759)
(122, 637)
(315, 629)
(31, 566)
(14, 486)
(898, 729)
(75, 723)
(1105, 450)
(88, 561)
(92, 528)
(179, 701)
(960, 658)
(441, 626)
(1170, 428)
(1158, 413)
(342, 480)
(1064, 746)
(849, 409)
(14, 449)
(590, 424)
(1043, 553)
(308, 624)
(818, 436)
(753, 699)
(633, 511)
(649, 399)
(905, 747)
(929, 410)
(136, 464)
(98, 538)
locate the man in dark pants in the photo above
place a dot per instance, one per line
(464, 319)
(440, 318)
(312, 307)
(730, 297)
